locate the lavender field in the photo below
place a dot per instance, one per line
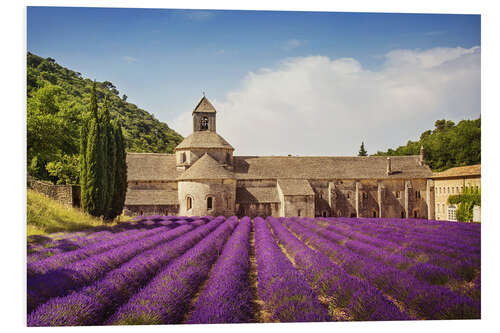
(170, 270)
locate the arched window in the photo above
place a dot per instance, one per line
(189, 203)
(374, 214)
(415, 214)
(209, 203)
(403, 215)
(204, 123)
(339, 213)
(324, 213)
(298, 212)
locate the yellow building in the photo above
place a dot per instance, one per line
(450, 182)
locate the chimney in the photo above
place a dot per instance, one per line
(421, 160)
(389, 169)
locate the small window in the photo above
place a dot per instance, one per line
(417, 194)
(374, 214)
(189, 203)
(353, 214)
(403, 215)
(347, 195)
(298, 212)
(275, 206)
(339, 213)
(452, 190)
(320, 195)
(415, 215)
(365, 195)
(324, 213)
(183, 157)
(397, 194)
(209, 203)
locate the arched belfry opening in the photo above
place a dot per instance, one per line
(204, 123)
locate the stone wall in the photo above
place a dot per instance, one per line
(135, 210)
(222, 192)
(68, 195)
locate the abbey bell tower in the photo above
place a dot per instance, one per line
(204, 116)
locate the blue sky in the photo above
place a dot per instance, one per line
(163, 59)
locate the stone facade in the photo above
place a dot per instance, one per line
(204, 178)
(451, 182)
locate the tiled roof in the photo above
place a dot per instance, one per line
(206, 168)
(204, 139)
(257, 194)
(295, 187)
(151, 197)
(204, 105)
(464, 171)
(305, 167)
(142, 166)
(149, 166)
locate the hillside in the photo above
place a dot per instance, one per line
(45, 215)
(447, 145)
(57, 97)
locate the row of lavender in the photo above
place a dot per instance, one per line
(307, 270)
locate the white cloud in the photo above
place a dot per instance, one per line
(129, 59)
(316, 105)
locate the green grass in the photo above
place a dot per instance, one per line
(45, 216)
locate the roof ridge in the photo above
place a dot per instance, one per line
(209, 106)
(206, 167)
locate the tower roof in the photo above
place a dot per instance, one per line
(204, 105)
(206, 168)
(204, 139)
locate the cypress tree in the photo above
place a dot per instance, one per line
(84, 130)
(89, 156)
(120, 173)
(104, 158)
(93, 202)
(111, 170)
(362, 150)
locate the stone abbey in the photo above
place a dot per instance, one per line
(204, 177)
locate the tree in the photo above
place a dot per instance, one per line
(466, 201)
(362, 150)
(92, 194)
(65, 170)
(103, 175)
(120, 179)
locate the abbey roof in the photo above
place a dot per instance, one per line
(151, 167)
(257, 195)
(464, 171)
(162, 167)
(204, 139)
(295, 187)
(328, 167)
(205, 167)
(204, 105)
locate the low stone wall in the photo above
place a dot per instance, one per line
(68, 195)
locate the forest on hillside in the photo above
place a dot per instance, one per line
(57, 99)
(447, 145)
